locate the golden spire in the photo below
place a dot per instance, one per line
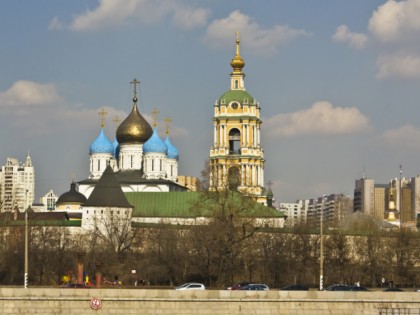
(155, 112)
(167, 121)
(102, 113)
(237, 62)
(238, 47)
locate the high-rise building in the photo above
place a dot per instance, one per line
(296, 212)
(236, 155)
(333, 208)
(364, 193)
(17, 184)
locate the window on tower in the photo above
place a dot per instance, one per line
(234, 141)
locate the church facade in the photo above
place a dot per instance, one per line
(141, 160)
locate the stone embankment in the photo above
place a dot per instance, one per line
(47, 301)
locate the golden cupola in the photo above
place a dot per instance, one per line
(237, 62)
(134, 129)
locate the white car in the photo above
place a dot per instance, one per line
(191, 286)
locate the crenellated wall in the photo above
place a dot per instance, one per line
(213, 302)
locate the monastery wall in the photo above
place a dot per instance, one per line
(213, 302)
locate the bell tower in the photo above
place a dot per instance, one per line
(236, 155)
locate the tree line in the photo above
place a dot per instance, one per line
(229, 249)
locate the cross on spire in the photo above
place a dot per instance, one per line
(237, 43)
(155, 112)
(135, 82)
(168, 120)
(102, 113)
(270, 184)
(116, 121)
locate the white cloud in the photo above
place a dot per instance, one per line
(55, 24)
(24, 93)
(256, 38)
(189, 18)
(111, 13)
(396, 20)
(320, 118)
(398, 65)
(355, 40)
(407, 136)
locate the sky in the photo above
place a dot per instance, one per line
(338, 83)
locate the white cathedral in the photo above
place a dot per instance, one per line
(141, 160)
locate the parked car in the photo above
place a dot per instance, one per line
(77, 286)
(393, 289)
(256, 287)
(295, 287)
(345, 287)
(237, 286)
(191, 286)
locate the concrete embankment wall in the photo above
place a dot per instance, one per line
(212, 302)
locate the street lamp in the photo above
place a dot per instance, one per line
(321, 254)
(400, 193)
(26, 250)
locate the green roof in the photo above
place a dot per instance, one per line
(236, 95)
(45, 223)
(191, 204)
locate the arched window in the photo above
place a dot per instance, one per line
(236, 84)
(234, 141)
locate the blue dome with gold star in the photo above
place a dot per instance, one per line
(101, 145)
(172, 150)
(155, 144)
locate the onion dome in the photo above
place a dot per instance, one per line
(72, 196)
(237, 62)
(155, 144)
(172, 150)
(240, 96)
(101, 144)
(134, 129)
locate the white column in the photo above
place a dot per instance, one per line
(215, 135)
(225, 136)
(254, 136)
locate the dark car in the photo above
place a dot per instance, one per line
(345, 287)
(256, 287)
(238, 286)
(393, 289)
(77, 286)
(295, 287)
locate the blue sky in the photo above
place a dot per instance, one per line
(338, 83)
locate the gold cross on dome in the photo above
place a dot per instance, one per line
(155, 112)
(102, 113)
(168, 120)
(116, 121)
(135, 82)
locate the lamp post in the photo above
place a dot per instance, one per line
(321, 253)
(26, 251)
(400, 193)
